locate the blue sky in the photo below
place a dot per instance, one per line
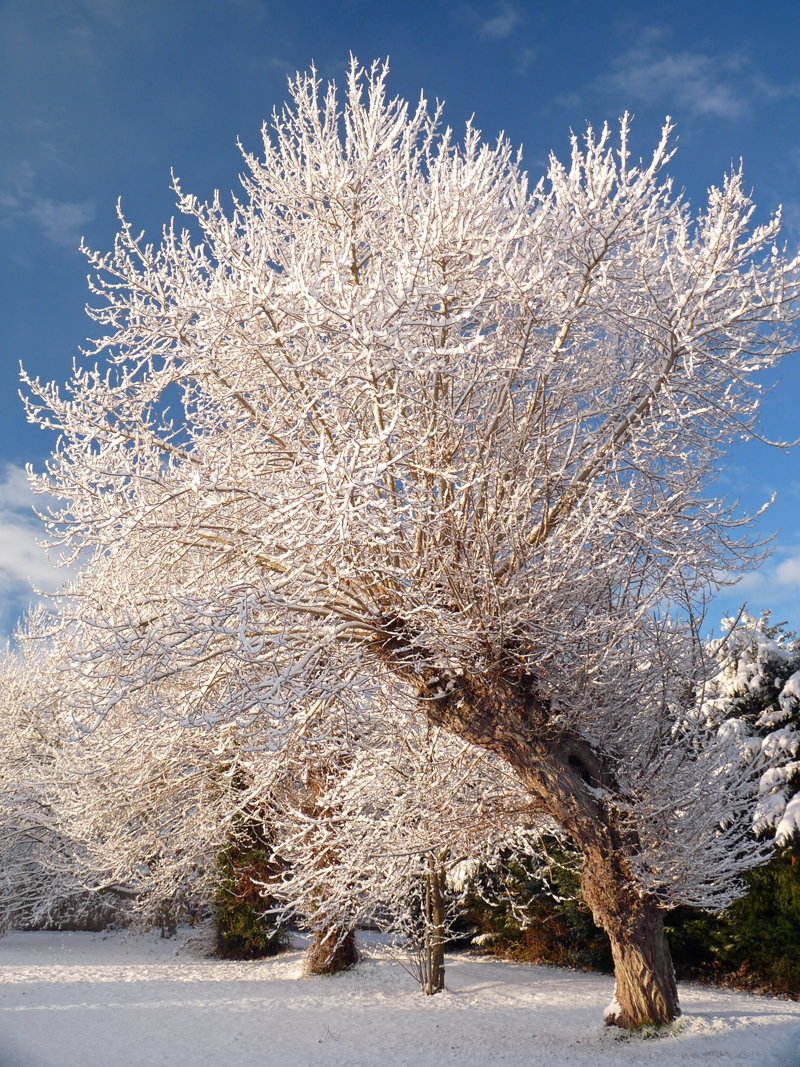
(100, 98)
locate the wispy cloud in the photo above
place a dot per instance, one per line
(23, 562)
(525, 60)
(692, 82)
(254, 10)
(774, 587)
(567, 100)
(501, 24)
(61, 221)
(279, 63)
(788, 572)
(718, 86)
(791, 221)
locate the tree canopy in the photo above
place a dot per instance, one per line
(401, 414)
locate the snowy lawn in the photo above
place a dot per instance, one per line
(119, 1000)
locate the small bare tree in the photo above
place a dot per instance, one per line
(403, 803)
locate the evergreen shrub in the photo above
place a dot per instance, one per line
(755, 943)
(244, 927)
(526, 916)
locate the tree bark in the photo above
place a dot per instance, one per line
(331, 951)
(436, 890)
(575, 785)
(645, 992)
(333, 947)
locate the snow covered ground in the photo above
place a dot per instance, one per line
(117, 1000)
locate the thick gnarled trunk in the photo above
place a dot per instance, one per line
(645, 992)
(576, 786)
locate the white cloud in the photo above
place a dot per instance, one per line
(774, 587)
(16, 191)
(791, 221)
(22, 560)
(702, 85)
(525, 59)
(15, 492)
(279, 63)
(567, 100)
(719, 86)
(62, 222)
(23, 563)
(788, 572)
(502, 24)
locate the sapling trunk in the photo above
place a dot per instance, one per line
(433, 976)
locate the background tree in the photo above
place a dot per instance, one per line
(401, 807)
(127, 819)
(38, 883)
(437, 425)
(756, 941)
(756, 692)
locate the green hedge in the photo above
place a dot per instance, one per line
(244, 928)
(559, 928)
(754, 944)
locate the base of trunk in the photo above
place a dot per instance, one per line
(432, 971)
(329, 953)
(646, 993)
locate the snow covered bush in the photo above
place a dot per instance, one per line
(122, 824)
(39, 882)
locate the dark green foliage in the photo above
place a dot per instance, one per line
(754, 944)
(245, 930)
(532, 915)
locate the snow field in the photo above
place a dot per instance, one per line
(122, 1000)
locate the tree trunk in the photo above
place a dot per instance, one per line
(576, 786)
(333, 947)
(331, 951)
(645, 992)
(436, 891)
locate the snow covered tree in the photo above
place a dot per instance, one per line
(755, 694)
(436, 425)
(130, 817)
(400, 807)
(38, 885)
